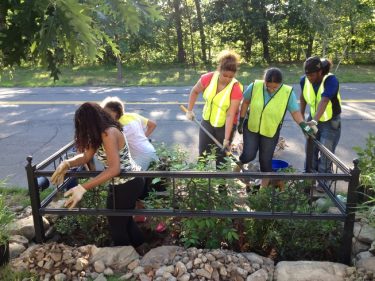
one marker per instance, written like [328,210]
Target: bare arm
[297,116]
[234,105]
[198,88]
[151,125]
[321,108]
[302,102]
[244,107]
[113,141]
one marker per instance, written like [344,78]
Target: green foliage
[6,217]
[7,273]
[366,164]
[94,228]
[291,239]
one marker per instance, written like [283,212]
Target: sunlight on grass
[162,75]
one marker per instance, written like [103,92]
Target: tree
[201,30]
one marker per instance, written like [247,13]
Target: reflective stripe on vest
[265,119]
[313,99]
[217,105]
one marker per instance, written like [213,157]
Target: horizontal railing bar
[54,156]
[199,174]
[183,213]
[332,157]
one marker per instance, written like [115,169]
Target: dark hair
[114,104]
[90,122]
[228,61]
[273,75]
[326,66]
[312,64]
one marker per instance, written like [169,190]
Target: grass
[160,75]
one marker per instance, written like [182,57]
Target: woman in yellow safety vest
[320,90]
[222,94]
[266,102]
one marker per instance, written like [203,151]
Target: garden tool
[228,153]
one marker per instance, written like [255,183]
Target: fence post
[309,155]
[35,201]
[351,202]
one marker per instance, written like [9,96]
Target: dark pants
[252,142]
[123,229]
[329,135]
[206,143]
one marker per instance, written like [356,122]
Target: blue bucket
[278,164]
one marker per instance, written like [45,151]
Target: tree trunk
[191,33]
[3,14]
[119,67]
[181,54]
[310,43]
[201,30]
[265,40]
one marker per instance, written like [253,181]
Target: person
[266,102]
[320,90]
[222,94]
[97,132]
[137,130]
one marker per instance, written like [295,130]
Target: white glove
[190,115]
[313,124]
[58,175]
[76,196]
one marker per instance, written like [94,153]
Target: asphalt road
[38,121]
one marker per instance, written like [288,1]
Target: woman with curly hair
[96,132]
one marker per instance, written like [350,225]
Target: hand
[225,146]
[58,175]
[307,130]
[190,115]
[314,125]
[240,126]
[76,196]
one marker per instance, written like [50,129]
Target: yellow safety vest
[265,119]
[313,99]
[217,104]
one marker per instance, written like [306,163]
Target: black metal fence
[346,210]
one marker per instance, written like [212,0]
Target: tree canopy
[55,32]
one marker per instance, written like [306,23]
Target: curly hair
[115,105]
[90,122]
[228,61]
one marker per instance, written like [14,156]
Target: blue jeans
[252,142]
[329,133]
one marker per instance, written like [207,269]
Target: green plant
[6,217]
[93,228]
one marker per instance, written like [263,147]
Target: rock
[144,277]
[127,276]
[138,270]
[155,257]
[60,277]
[15,250]
[184,277]
[81,264]
[19,239]
[100,277]
[116,257]
[25,227]
[367,264]
[180,269]
[372,248]
[133,264]
[364,233]
[204,273]
[253,258]
[99,266]
[259,275]
[363,255]
[309,271]
[108,271]
[358,246]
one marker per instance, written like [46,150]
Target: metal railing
[346,211]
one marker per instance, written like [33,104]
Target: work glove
[190,115]
[314,125]
[306,129]
[240,126]
[76,196]
[225,146]
[58,175]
